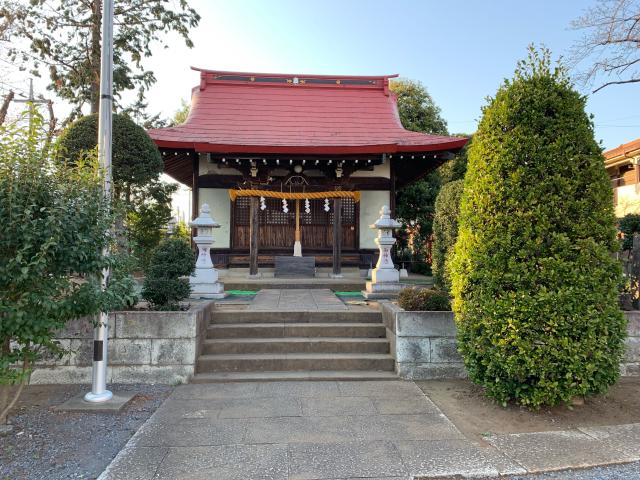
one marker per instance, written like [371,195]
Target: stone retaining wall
[144,347]
[424,344]
[630,366]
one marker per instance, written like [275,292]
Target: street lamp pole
[99,392]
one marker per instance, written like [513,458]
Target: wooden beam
[337,236]
[316,183]
[195,210]
[253,234]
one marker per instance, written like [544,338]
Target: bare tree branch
[620,82]
[609,51]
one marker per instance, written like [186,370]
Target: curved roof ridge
[287,75]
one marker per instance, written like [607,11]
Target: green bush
[182,231]
[55,223]
[628,225]
[445,231]
[164,283]
[424,299]
[142,200]
[136,159]
[147,217]
[534,281]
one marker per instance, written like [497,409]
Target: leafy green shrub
[142,200]
[182,231]
[628,225]
[136,159]
[445,231]
[424,299]
[164,284]
[55,222]
[147,217]
[534,281]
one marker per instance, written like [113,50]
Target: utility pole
[32,101]
[99,392]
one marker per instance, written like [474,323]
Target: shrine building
[296,164]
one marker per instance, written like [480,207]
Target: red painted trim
[325,150]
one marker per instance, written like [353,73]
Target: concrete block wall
[630,366]
[424,344]
[144,347]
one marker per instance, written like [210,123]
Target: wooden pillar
[337,236]
[253,234]
[195,209]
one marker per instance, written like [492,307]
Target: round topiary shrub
[424,299]
[534,282]
[136,159]
[165,283]
[445,231]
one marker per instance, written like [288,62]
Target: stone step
[278,330]
[302,375]
[245,316]
[295,361]
[295,345]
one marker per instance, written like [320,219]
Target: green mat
[348,294]
[241,292]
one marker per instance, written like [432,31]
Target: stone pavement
[296,300]
[339,430]
[301,430]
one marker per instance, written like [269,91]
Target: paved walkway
[301,430]
[296,300]
[341,430]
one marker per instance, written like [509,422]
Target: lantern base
[382,290]
[208,290]
[385,275]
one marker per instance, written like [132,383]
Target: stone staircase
[247,345]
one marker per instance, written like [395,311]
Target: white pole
[99,392]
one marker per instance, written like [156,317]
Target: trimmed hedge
[445,231]
[165,284]
[534,282]
[136,159]
[424,299]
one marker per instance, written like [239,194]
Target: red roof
[235,112]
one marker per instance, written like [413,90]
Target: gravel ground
[52,445]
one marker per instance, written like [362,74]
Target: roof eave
[201,147]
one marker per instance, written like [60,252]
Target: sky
[460,50]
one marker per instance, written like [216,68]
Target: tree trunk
[95,56]
[7,402]
[5,106]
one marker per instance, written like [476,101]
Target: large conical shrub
[534,282]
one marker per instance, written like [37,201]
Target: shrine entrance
[277,228]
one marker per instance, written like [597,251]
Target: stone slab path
[279,300]
[379,430]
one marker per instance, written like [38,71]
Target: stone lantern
[385,279]
[204,282]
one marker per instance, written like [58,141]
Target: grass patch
[242,292]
